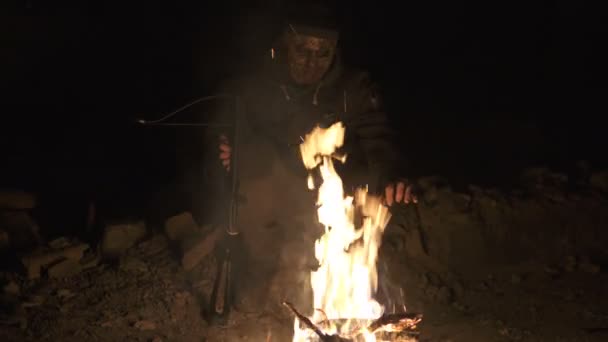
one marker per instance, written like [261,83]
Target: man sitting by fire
[305,84]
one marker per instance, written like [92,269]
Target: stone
[144,325]
[183,307]
[64,294]
[181,226]
[17,200]
[90,260]
[118,238]
[33,301]
[201,248]
[21,230]
[133,265]
[36,261]
[65,268]
[60,242]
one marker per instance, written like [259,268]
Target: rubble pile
[544,219]
[485,264]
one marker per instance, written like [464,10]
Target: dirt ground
[528,265]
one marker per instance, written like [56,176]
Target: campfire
[346,280]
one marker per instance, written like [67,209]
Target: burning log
[310,325]
[402,324]
[395,322]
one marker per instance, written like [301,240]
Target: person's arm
[376,137]
[217,148]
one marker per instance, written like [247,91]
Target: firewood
[402,321]
[324,337]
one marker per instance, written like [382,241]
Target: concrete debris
[144,325]
[184,305]
[148,296]
[17,200]
[21,230]
[90,259]
[33,301]
[181,226]
[200,248]
[42,259]
[65,294]
[60,242]
[133,265]
[118,238]
[64,268]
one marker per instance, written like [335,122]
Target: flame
[346,281]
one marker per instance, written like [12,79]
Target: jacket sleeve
[374,134]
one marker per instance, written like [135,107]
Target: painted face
[309,57]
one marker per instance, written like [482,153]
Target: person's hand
[225,152]
[400,192]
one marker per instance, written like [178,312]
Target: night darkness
[479,90]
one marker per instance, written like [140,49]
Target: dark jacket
[281,112]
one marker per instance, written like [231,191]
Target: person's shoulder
[363,87]
[358,78]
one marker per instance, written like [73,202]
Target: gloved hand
[400,192]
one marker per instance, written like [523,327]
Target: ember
[346,281]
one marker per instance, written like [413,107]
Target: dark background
[479,90]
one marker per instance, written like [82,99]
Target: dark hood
[277,73]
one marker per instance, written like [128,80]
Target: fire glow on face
[346,281]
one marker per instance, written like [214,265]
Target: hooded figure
[302,84]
